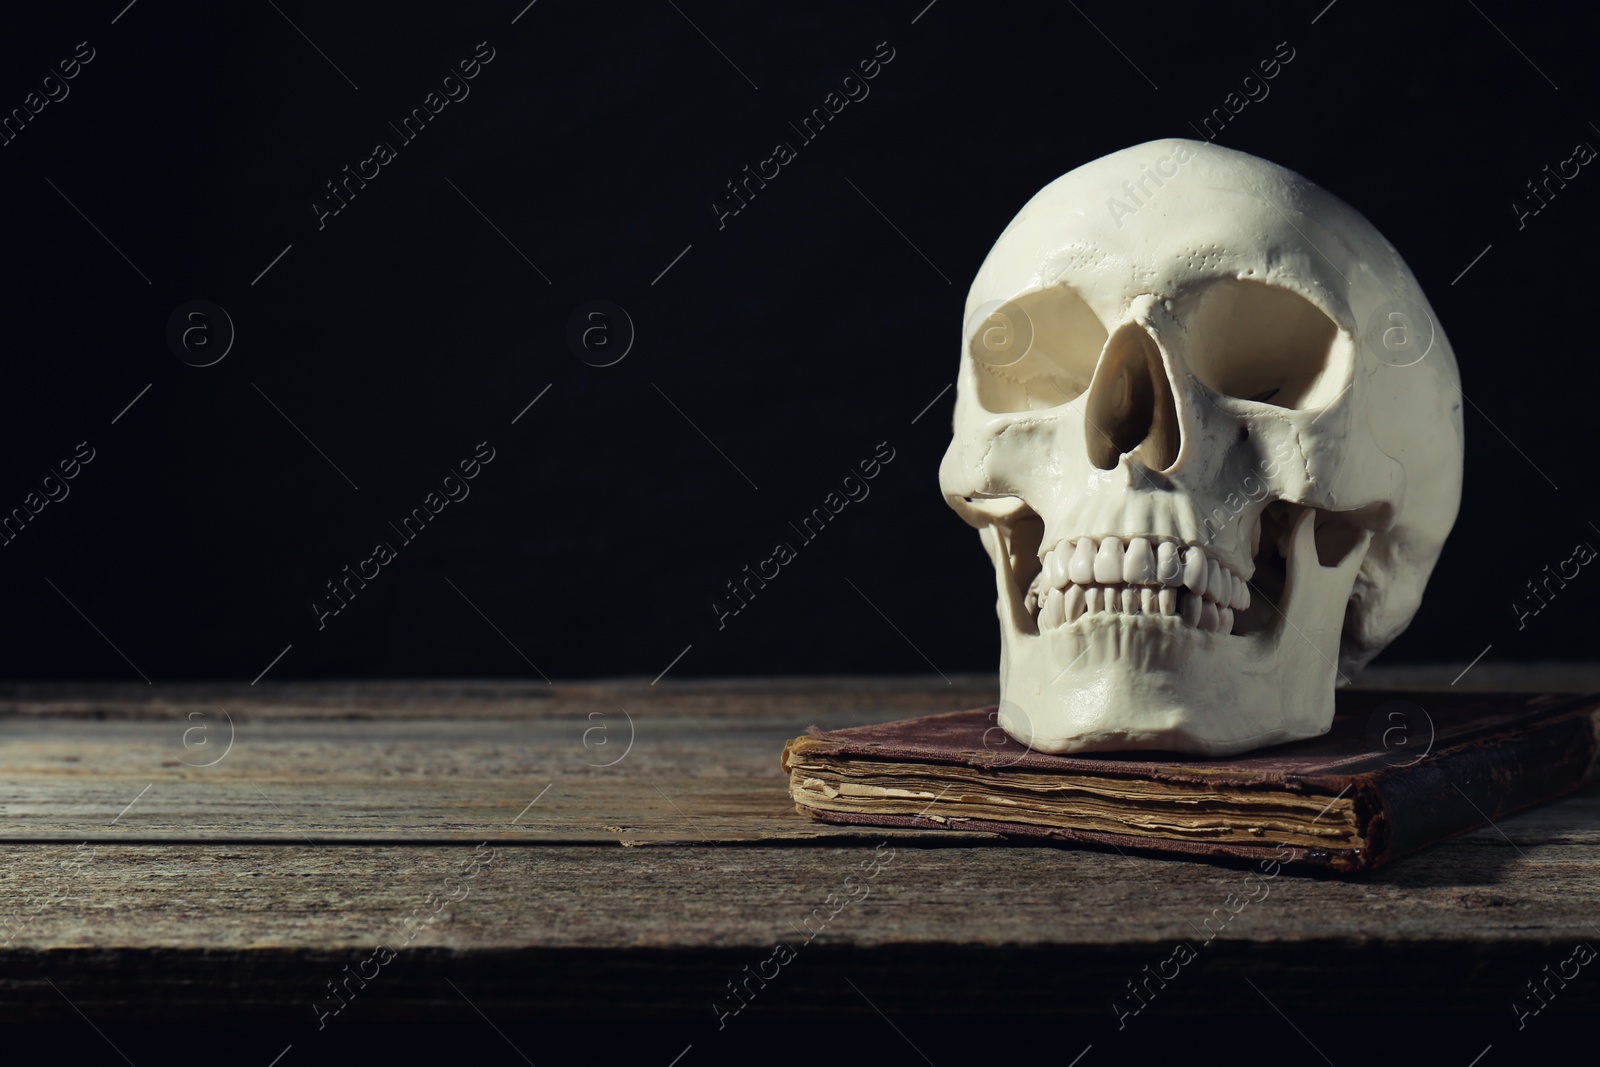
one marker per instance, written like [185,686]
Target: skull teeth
[1133,577]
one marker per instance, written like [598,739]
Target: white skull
[1210,433]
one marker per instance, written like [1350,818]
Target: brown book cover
[1397,772]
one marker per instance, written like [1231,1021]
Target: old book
[1397,772]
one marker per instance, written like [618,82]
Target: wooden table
[632,850]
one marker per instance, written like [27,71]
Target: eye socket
[1034,351]
[1261,343]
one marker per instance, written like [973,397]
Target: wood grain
[138,883]
[630,765]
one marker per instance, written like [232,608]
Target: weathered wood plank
[248,897]
[266,925]
[414,780]
[249,884]
[624,763]
[438,762]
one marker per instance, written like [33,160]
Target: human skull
[1210,433]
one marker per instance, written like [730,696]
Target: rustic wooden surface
[136,881]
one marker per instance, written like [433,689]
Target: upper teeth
[1086,577]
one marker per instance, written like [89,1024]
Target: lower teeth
[1061,607]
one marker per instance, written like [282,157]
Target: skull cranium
[1210,433]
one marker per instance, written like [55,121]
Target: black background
[797,337]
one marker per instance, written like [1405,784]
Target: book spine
[1476,783]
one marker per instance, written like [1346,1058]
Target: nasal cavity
[1129,407]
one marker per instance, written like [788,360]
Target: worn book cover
[1397,772]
